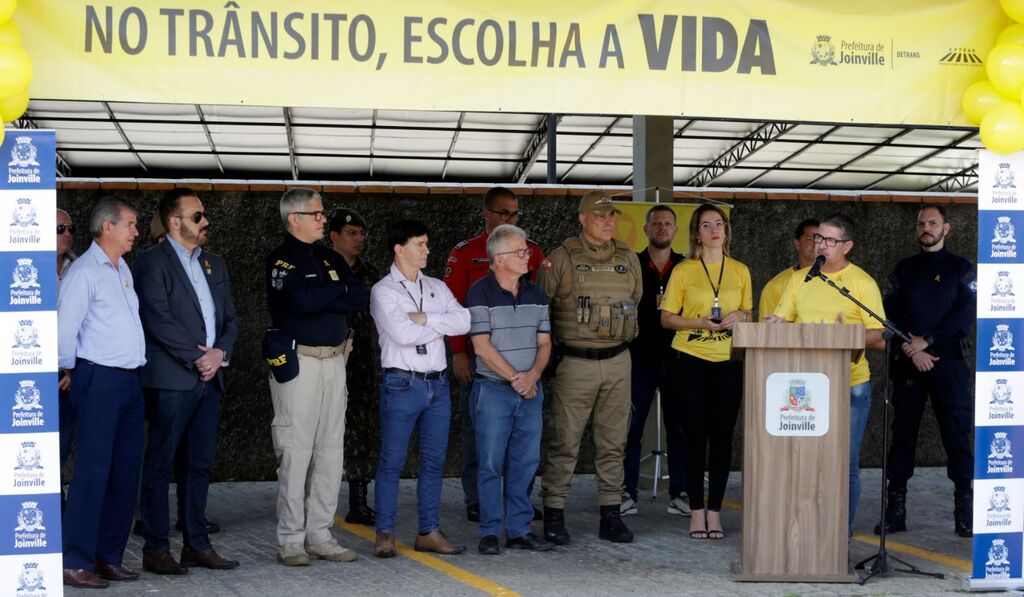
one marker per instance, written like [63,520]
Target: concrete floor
[662,561]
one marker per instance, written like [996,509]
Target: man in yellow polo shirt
[816,302]
[803,244]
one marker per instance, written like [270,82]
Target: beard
[661,244]
[934,240]
[193,236]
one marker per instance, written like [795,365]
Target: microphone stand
[881,562]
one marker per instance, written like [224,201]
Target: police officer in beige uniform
[595,284]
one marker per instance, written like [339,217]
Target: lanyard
[708,274]
[420,307]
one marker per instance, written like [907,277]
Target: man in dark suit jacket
[191,326]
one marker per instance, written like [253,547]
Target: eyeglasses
[520,253]
[317,215]
[506,215]
[828,240]
[62,228]
[196,217]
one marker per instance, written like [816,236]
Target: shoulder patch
[546,264]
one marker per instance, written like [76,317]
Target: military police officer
[931,296]
[310,290]
[595,284]
[362,425]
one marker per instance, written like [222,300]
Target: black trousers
[649,375]
[710,394]
[948,386]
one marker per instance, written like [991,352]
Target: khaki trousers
[308,432]
[583,387]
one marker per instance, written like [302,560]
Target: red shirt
[467,263]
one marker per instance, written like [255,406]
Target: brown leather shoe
[161,562]
[384,546]
[118,573]
[205,558]
[436,542]
[84,579]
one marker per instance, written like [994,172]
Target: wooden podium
[795,487]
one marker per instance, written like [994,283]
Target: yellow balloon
[977,100]
[12,107]
[1014,34]
[17,69]
[1014,8]
[1005,67]
[10,34]
[1002,129]
[2,131]
[7,9]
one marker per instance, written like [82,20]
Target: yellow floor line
[895,547]
[463,576]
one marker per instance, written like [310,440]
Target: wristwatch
[226,360]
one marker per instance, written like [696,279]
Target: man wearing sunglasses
[467,263]
[814,301]
[191,326]
[310,290]
[65,257]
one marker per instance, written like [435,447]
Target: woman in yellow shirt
[707,294]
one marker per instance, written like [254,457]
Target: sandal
[714,534]
[699,533]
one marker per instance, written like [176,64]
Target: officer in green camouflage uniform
[594,282]
[362,427]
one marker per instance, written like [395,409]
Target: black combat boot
[554,526]
[963,513]
[895,512]
[612,528]
[359,511]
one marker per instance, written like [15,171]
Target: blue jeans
[188,416]
[408,403]
[860,407]
[508,429]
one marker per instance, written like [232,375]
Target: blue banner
[30,513]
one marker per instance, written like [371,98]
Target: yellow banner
[872,61]
[629,227]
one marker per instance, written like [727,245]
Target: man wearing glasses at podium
[814,302]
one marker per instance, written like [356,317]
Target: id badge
[716,314]
[657,300]
[421,349]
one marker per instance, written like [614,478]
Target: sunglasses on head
[69,228]
[196,217]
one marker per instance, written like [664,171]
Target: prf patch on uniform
[334,275]
[284,264]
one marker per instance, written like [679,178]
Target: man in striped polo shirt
[511,338]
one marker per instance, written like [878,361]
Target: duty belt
[321,352]
[593,354]
[427,376]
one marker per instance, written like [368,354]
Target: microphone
[815,269]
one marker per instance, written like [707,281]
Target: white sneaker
[628,507]
[330,550]
[679,505]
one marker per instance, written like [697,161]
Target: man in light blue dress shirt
[101,342]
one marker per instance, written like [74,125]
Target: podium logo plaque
[796,404]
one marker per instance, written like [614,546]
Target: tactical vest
[599,309]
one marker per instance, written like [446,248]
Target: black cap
[279,351]
[345,216]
